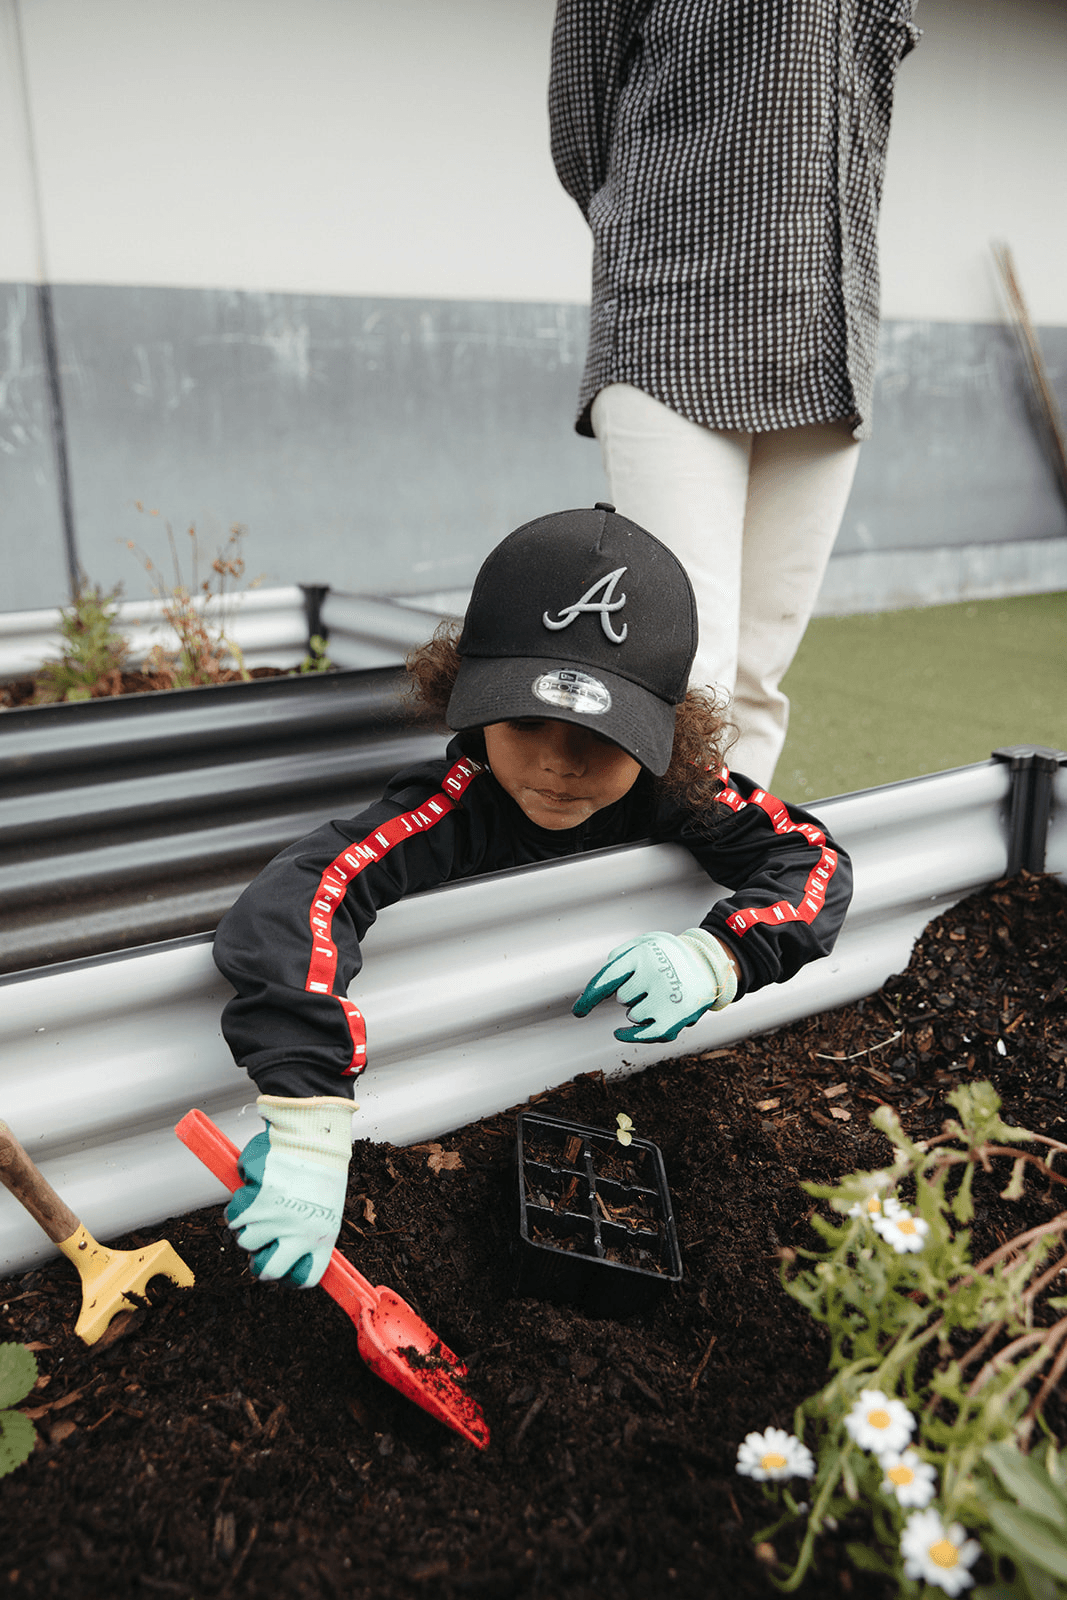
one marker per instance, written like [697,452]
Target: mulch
[229,1441]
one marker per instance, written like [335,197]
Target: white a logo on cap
[605,587]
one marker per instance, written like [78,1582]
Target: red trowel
[393,1341]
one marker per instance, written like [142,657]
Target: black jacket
[291,944]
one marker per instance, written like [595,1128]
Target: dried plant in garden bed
[229,1441]
[94,663]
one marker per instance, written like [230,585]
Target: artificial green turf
[880,697]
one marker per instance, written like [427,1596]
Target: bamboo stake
[1035,364]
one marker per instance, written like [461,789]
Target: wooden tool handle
[28,1184]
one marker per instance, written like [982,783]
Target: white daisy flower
[900,1229]
[878,1423]
[870,1202]
[910,1479]
[871,1207]
[774,1454]
[937,1554]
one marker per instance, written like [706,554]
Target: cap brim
[502,689]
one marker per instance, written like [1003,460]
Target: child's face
[557,772]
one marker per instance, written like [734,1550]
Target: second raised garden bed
[138,818]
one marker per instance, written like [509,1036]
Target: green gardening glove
[287,1214]
[666,981]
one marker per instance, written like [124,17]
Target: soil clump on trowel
[228,1440]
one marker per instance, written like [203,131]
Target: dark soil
[20,692]
[229,1440]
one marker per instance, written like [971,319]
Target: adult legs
[689,487]
[798,487]
[753,519]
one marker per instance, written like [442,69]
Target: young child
[567,688]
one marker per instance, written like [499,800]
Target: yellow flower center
[900,1476]
[878,1419]
[906,1225]
[874,1205]
[944,1553]
[772,1461]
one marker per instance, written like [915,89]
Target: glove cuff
[317,1129]
[715,954]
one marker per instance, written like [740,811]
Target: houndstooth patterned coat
[728,156]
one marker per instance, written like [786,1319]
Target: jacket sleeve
[290,946]
[592,46]
[792,883]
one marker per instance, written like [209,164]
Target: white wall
[400,147]
[20,260]
[360,147]
[977,153]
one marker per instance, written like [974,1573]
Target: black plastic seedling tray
[596,1228]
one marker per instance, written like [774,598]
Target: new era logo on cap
[584,598]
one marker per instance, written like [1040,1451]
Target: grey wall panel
[374,445]
[893,580]
[33,562]
[384,445]
[956,457]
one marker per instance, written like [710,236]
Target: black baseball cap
[584,617]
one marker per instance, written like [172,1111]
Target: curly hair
[702,731]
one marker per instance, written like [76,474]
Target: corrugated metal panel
[1056,842]
[142,818]
[364,630]
[137,819]
[467,994]
[269,626]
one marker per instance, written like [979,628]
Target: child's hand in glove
[666,981]
[288,1213]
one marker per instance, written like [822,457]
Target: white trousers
[752,517]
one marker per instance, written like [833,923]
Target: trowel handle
[219,1154]
[28,1184]
[207,1142]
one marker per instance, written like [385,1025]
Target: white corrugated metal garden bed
[467,994]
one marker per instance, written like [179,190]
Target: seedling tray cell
[596,1225]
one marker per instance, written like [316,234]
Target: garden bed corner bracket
[1033,768]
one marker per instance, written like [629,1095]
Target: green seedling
[316,659]
[18,1374]
[939,1366]
[624,1131]
[94,652]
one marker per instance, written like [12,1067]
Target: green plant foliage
[1025,1500]
[316,659]
[94,652]
[18,1374]
[938,1368]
